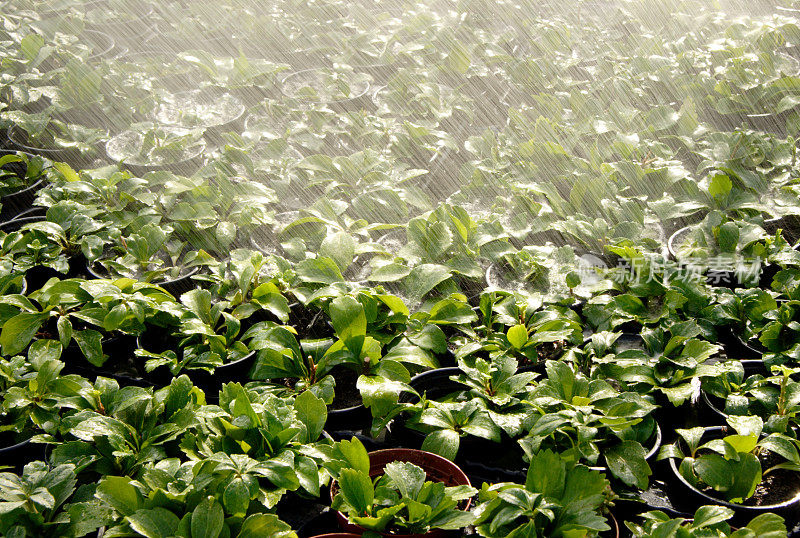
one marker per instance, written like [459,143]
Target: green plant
[400,500]
[150,145]
[732,466]
[670,360]
[129,426]
[175,498]
[775,398]
[558,499]
[11,180]
[586,420]
[264,436]
[36,392]
[708,519]
[33,503]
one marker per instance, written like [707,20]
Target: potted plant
[40,134]
[147,255]
[211,110]
[743,469]
[148,147]
[341,90]
[621,424]
[707,519]
[21,175]
[398,492]
[557,497]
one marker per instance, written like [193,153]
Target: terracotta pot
[437,469]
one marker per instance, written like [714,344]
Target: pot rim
[325,102]
[736,507]
[405,455]
[90,269]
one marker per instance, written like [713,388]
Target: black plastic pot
[191,77]
[37,276]
[158,340]
[176,286]
[132,32]
[185,167]
[213,132]
[789,224]
[694,498]
[355,418]
[13,204]
[506,464]
[355,103]
[16,454]
[720,278]
[101,42]
[119,366]
[71,156]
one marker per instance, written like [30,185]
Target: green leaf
[720,185]
[356,488]
[406,477]
[349,322]
[66,171]
[546,474]
[627,462]
[19,331]
[423,278]
[208,519]
[727,237]
[711,515]
[30,45]
[444,442]
[313,413]
[322,270]
[118,493]
[518,336]
[236,497]
[768,526]
[154,523]
[90,343]
[340,247]
[261,525]
[715,471]
[354,454]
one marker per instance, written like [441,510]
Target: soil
[346,394]
[549,351]
[776,487]
[309,322]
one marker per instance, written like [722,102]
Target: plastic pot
[360,101]
[437,469]
[71,156]
[168,77]
[186,167]
[720,278]
[131,32]
[237,371]
[789,224]
[507,463]
[789,509]
[175,286]
[15,203]
[354,418]
[158,340]
[102,44]
[37,276]
[170,113]
[16,453]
